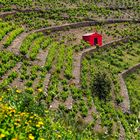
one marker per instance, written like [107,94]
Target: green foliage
[29,90]
[27,43]
[101,85]
[133,91]
[12,36]
[8,61]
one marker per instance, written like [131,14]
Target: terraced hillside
[54,85]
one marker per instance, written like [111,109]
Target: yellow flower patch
[39,124]
[2,135]
[18,91]
[31,137]
[0,99]
[14,139]
[40,90]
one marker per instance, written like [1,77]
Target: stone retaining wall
[4,14]
[125,105]
[130,70]
[119,8]
[84,24]
[15,11]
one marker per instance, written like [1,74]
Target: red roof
[91,34]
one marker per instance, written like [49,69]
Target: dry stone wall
[125,105]
[4,14]
[84,24]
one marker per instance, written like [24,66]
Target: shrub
[29,90]
[29,83]
[101,85]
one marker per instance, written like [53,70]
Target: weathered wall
[130,70]
[84,24]
[4,14]
[125,105]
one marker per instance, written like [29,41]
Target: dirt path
[15,46]
[55,104]
[122,132]
[125,105]
[77,65]
[69,102]
[89,117]
[46,82]
[18,83]
[76,69]
[41,58]
[125,13]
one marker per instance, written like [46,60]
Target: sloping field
[54,85]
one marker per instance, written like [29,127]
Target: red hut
[93,38]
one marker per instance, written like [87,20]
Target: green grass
[133,82]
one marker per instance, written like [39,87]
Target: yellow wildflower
[17,120]
[59,136]
[14,139]
[18,91]
[35,115]
[2,135]
[16,124]
[13,111]
[31,137]
[40,90]
[0,99]
[10,108]
[37,125]
[31,117]
[22,114]
[40,123]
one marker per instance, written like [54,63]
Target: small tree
[102,85]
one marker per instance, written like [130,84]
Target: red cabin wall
[100,41]
[90,39]
[99,38]
[87,39]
